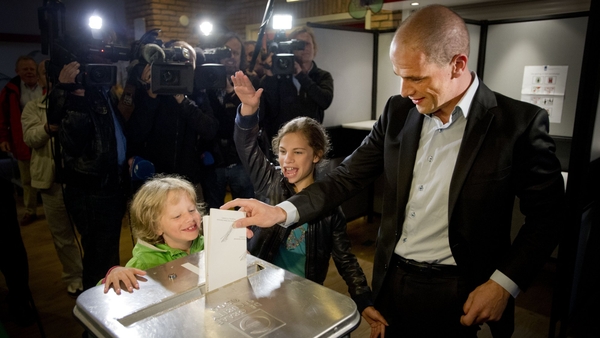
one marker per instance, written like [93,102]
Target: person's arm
[321,90]
[262,172]
[348,267]
[77,129]
[347,264]
[35,134]
[200,119]
[540,188]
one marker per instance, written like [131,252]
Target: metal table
[270,302]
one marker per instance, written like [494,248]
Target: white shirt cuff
[506,283]
[292,213]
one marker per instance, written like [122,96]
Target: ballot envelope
[173,302]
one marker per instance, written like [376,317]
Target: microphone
[152,52]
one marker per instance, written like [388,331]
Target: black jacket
[87,136]
[326,235]
[283,102]
[169,134]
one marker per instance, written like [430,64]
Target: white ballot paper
[224,248]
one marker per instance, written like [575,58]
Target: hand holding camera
[68,74]
[147,80]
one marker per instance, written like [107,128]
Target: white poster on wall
[545,86]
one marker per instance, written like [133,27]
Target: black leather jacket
[325,237]
[87,136]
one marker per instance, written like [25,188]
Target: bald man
[454,155]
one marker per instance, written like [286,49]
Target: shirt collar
[24,86]
[465,102]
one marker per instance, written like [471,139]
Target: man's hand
[68,74]
[123,274]
[376,320]
[179,98]
[257,213]
[147,79]
[5,146]
[51,129]
[245,91]
[486,303]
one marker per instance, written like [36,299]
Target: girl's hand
[246,93]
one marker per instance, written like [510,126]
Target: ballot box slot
[255,268]
[164,306]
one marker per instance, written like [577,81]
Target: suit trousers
[63,233]
[417,304]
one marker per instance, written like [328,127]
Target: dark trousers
[428,304]
[97,216]
[14,264]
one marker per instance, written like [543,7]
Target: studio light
[206,28]
[95,22]
[282,21]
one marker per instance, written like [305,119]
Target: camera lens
[283,63]
[169,78]
[99,74]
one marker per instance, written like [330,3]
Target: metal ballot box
[270,302]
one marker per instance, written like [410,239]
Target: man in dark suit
[454,155]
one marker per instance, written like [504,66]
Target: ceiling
[497,9]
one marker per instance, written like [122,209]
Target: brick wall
[386,20]
[169,15]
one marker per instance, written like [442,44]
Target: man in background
[13,98]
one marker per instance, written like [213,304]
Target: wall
[352,71]
[512,46]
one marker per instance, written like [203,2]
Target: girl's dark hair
[313,131]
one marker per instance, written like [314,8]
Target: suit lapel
[478,122]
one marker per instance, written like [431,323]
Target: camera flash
[282,21]
[95,22]
[206,28]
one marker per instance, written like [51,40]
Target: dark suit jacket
[506,152]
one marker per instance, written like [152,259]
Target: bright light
[282,21]
[414,4]
[95,22]
[206,28]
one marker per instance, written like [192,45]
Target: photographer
[94,158]
[307,93]
[227,169]
[166,129]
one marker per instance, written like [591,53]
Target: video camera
[94,58]
[172,70]
[211,74]
[283,58]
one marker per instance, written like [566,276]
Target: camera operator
[227,169]
[307,93]
[258,70]
[95,166]
[166,129]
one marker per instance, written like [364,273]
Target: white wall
[348,56]
[559,42]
